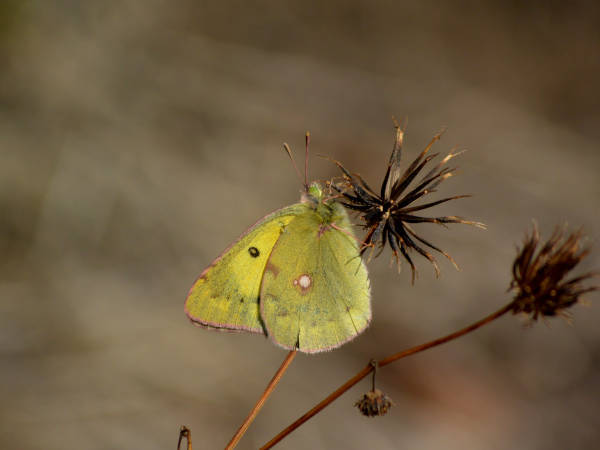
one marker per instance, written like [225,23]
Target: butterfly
[296,276]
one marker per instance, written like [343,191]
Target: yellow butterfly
[295,276]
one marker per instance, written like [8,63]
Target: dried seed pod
[539,273]
[374,403]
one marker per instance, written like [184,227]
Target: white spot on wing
[305,281]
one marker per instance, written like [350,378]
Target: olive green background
[139,138]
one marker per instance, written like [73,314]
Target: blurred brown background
[139,138]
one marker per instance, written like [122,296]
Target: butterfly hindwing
[315,293]
[226,295]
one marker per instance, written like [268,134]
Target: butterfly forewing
[226,295]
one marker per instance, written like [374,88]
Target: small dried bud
[538,274]
[374,403]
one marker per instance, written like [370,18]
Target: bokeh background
[139,138]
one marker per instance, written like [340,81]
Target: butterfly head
[323,204]
[315,192]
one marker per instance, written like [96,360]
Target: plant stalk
[261,401]
[384,362]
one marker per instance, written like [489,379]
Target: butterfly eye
[253,252]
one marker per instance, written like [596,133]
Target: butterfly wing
[315,293]
[226,294]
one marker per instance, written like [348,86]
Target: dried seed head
[539,272]
[374,403]
[390,213]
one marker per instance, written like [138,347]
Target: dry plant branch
[543,289]
[261,401]
[385,361]
[185,433]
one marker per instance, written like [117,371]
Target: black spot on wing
[253,252]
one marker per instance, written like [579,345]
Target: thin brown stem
[384,362]
[261,401]
[419,348]
[185,433]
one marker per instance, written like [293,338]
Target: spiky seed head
[540,274]
[390,213]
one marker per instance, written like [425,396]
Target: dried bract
[374,403]
[539,273]
[389,214]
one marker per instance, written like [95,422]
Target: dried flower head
[374,403]
[539,272]
[389,215]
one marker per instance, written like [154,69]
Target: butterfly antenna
[307,140]
[289,152]
[402,124]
